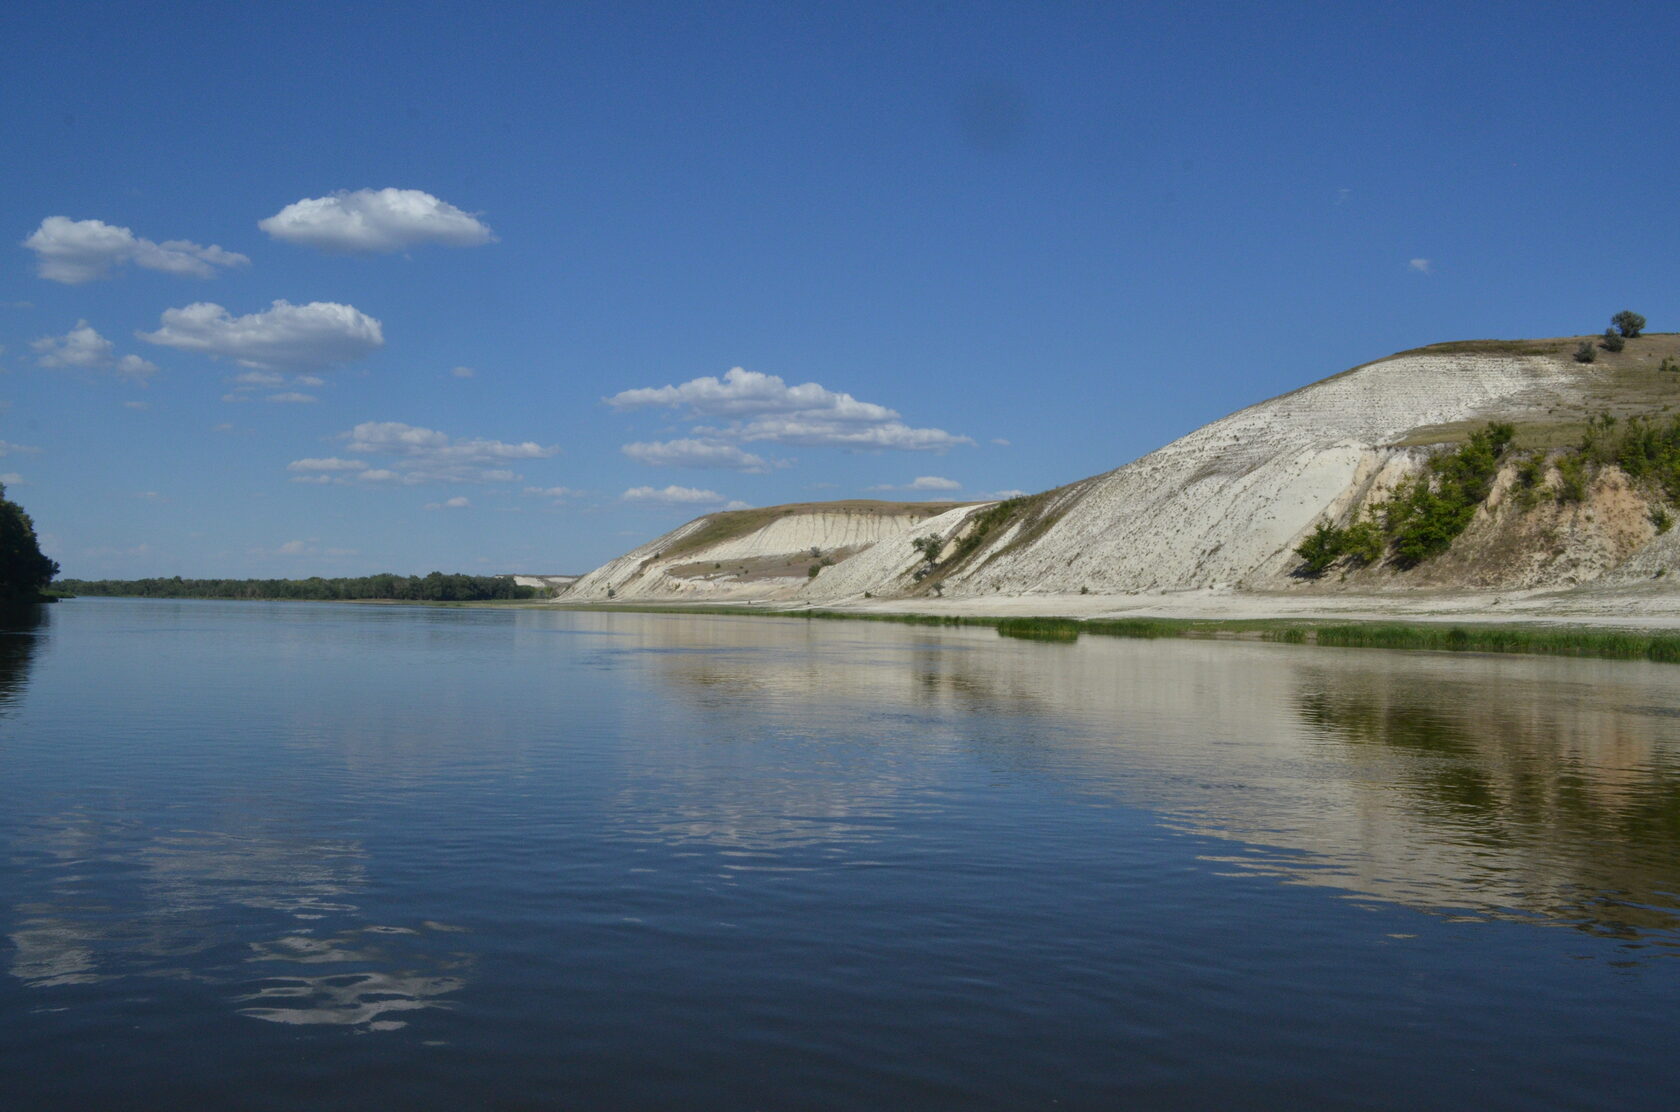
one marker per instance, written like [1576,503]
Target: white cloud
[923,482]
[1000,442]
[418,455]
[741,392]
[330,463]
[1422,266]
[412,440]
[285,335]
[553,492]
[136,405]
[247,385]
[150,496]
[459,502]
[12,479]
[375,221]
[763,407]
[894,435]
[7,448]
[463,372]
[294,548]
[695,453]
[679,496]
[75,251]
[1000,495]
[83,348]
[132,366]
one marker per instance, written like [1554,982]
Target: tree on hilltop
[1628,323]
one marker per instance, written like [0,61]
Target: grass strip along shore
[1611,644]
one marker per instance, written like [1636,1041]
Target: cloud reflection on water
[126,903]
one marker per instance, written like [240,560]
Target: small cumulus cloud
[697,454]
[12,479]
[83,348]
[678,496]
[556,492]
[283,336]
[414,455]
[1422,266]
[1001,495]
[462,372]
[1000,442]
[375,221]
[247,385]
[923,482]
[8,448]
[76,251]
[150,496]
[327,464]
[459,502]
[137,405]
[764,408]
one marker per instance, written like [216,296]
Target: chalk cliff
[1226,505]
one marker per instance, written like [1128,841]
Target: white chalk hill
[1223,507]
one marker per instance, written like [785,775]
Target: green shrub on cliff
[1423,516]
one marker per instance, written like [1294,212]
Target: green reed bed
[1040,629]
[1608,643]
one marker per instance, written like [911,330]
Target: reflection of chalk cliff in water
[1577,803]
[19,627]
[1495,786]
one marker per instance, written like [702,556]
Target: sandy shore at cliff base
[1646,606]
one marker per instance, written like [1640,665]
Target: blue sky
[333,289]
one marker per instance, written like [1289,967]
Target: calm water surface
[288,856]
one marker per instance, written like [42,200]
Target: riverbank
[1639,621]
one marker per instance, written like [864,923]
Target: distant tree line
[435,587]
